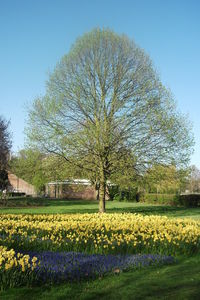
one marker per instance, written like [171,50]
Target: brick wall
[73,191]
[19,185]
[70,191]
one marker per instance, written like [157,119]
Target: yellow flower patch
[101,233]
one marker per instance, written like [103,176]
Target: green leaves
[104,105]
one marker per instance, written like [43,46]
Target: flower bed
[56,248]
[57,267]
[100,234]
[39,267]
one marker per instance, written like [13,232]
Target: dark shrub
[118,194]
[190,200]
[16,194]
[140,196]
[3,179]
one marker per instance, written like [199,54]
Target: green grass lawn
[178,281]
[52,206]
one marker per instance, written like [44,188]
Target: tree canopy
[28,166]
[165,179]
[106,111]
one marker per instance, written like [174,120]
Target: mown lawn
[55,206]
[178,281]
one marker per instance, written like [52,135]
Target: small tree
[28,166]
[105,104]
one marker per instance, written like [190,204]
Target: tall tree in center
[105,111]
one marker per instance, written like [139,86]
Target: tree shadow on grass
[158,210]
[47,205]
[33,202]
[70,202]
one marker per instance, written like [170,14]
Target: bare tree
[194,180]
[106,111]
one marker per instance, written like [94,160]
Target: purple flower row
[62,266]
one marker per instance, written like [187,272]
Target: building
[19,185]
[72,189]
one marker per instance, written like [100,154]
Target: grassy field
[61,206]
[178,281]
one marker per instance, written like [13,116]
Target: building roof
[72,181]
[75,181]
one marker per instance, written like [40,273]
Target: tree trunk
[102,192]
[102,198]
[97,185]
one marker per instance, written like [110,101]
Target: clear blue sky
[35,34]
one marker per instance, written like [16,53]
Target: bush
[140,196]
[125,195]
[167,199]
[190,200]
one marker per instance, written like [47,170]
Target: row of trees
[39,169]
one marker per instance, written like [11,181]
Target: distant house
[72,189]
[19,185]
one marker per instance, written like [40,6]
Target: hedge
[190,200]
[187,200]
[169,199]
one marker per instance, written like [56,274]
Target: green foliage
[28,166]
[106,112]
[189,200]
[38,169]
[165,179]
[15,277]
[117,193]
[166,199]
[19,200]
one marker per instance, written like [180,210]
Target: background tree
[5,143]
[104,103]
[27,164]
[5,146]
[4,182]
[194,180]
[165,179]
[38,168]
